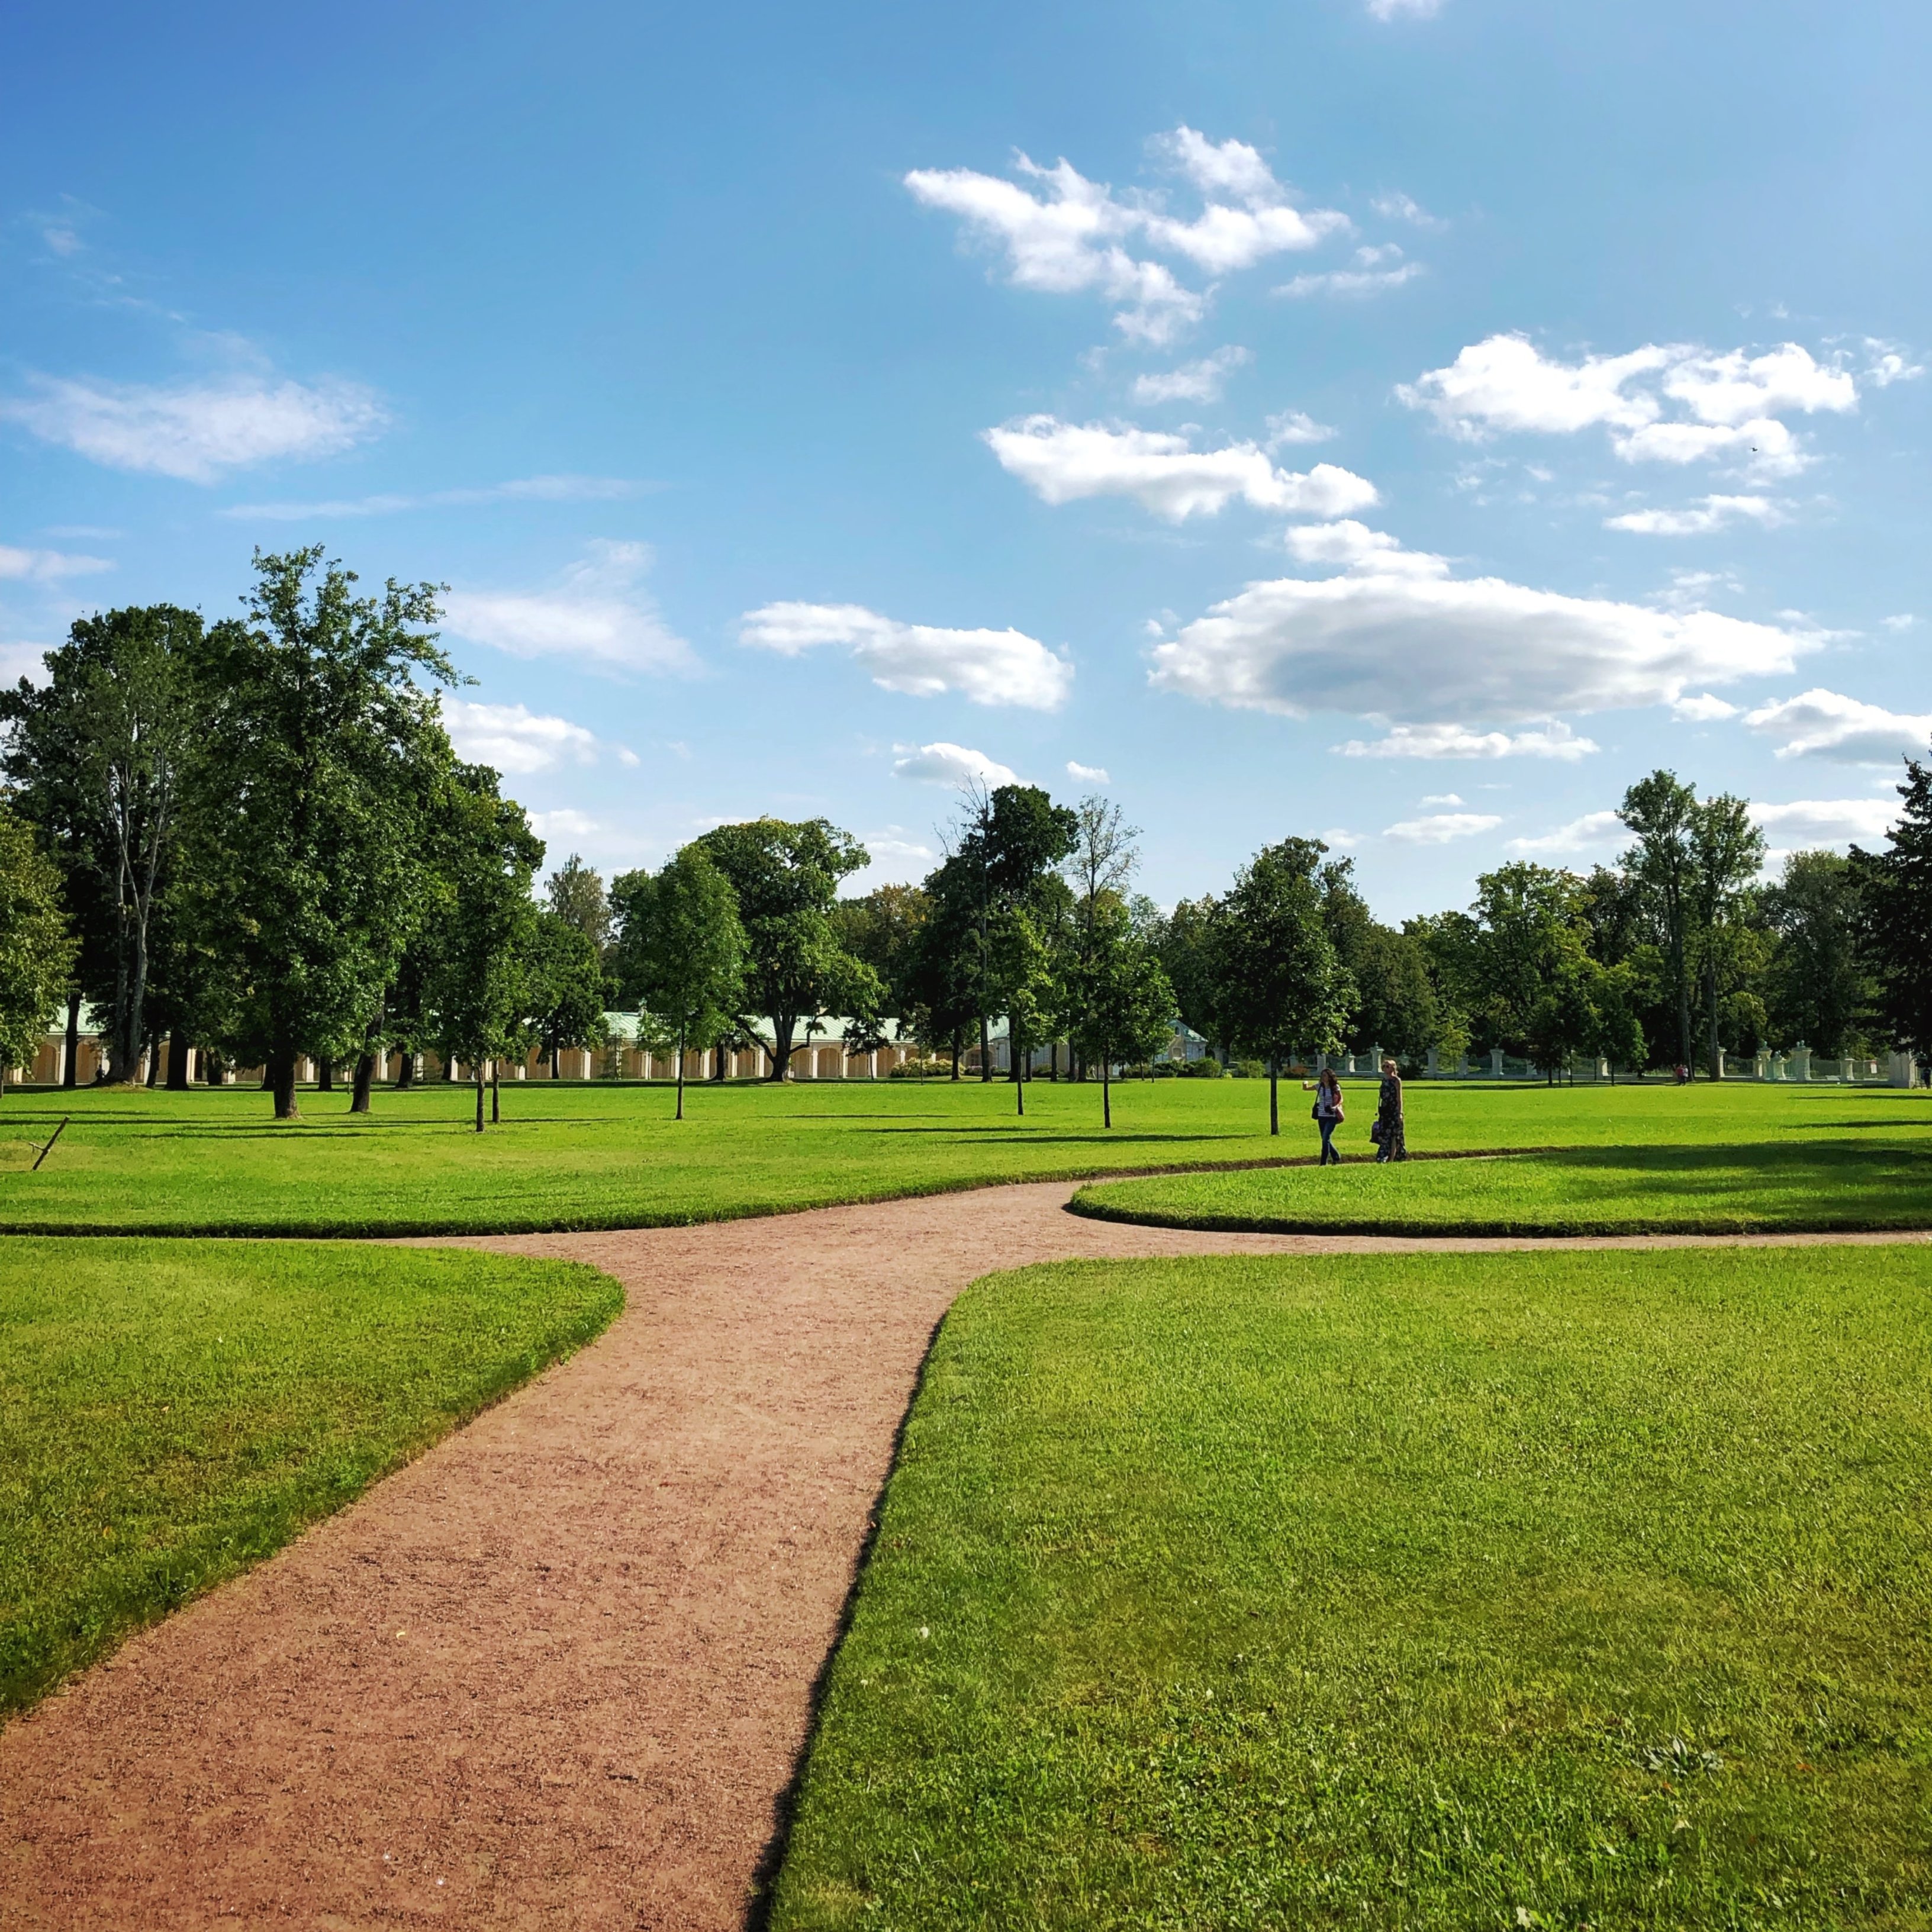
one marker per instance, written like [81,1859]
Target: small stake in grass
[42,1152]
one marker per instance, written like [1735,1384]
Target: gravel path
[557,1673]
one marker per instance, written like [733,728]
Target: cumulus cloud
[1553,740]
[1088,774]
[948,764]
[195,431]
[1348,544]
[564,823]
[1193,381]
[46,566]
[1404,10]
[599,614]
[1902,620]
[921,660]
[1713,513]
[1064,234]
[1824,821]
[1728,405]
[1820,724]
[1294,426]
[518,490]
[514,739]
[1399,207]
[1061,462]
[1439,827]
[1702,708]
[1594,828]
[1415,649]
[896,858]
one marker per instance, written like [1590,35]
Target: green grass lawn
[1534,1590]
[173,1412]
[593,1156]
[1870,1179]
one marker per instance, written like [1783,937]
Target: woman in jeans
[1387,1135]
[1328,1114]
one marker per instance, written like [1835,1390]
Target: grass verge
[171,1412]
[1575,1590]
[1811,1186]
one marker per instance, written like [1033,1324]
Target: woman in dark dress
[1390,1144]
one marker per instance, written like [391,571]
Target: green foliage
[786,878]
[690,950]
[320,759]
[1820,991]
[37,951]
[1123,1008]
[1442,1592]
[566,984]
[574,892]
[171,1412]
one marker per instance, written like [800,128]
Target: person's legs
[1328,1153]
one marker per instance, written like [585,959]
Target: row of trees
[254,837]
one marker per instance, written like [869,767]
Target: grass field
[171,1412]
[570,1155]
[1868,1179]
[1583,1590]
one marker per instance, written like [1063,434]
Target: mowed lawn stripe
[171,1412]
[1591,1589]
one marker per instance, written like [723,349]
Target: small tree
[37,952]
[1020,979]
[1895,908]
[1122,1006]
[691,950]
[1282,990]
[566,986]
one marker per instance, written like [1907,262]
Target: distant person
[1329,1114]
[1387,1133]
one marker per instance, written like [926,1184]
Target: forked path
[556,1672]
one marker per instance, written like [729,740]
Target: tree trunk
[1710,988]
[324,1073]
[179,1050]
[679,1115]
[365,1078]
[154,1062]
[1684,1010]
[279,1076]
[405,1076]
[556,1060]
[956,1056]
[985,1050]
[783,1025]
[68,1075]
[479,1096]
[495,1108]
[1019,1082]
[1274,1096]
[1106,1095]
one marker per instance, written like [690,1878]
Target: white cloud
[195,431]
[518,490]
[46,566]
[1729,403]
[1399,207]
[1088,774]
[1294,426]
[1367,277]
[1193,381]
[1903,621]
[1442,798]
[948,764]
[1350,545]
[1692,590]
[1825,821]
[599,614]
[921,660]
[1713,513]
[1553,740]
[1404,10]
[1062,462]
[1702,709]
[552,826]
[1820,724]
[1889,365]
[514,739]
[1417,649]
[1594,828]
[1439,827]
[896,859]
[1068,234]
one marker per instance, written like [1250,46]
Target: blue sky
[1407,424]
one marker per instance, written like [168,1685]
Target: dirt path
[557,1673]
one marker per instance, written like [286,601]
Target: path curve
[556,1672]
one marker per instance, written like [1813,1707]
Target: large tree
[691,949]
[1821,991]
[1662,811]
[786,877]
[1895,888]
[304,837]
[99,753]
[37,952]
[1283,989]
[1726,853]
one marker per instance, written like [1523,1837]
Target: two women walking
[1387,1133]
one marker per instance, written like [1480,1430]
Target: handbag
[1376,1133]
